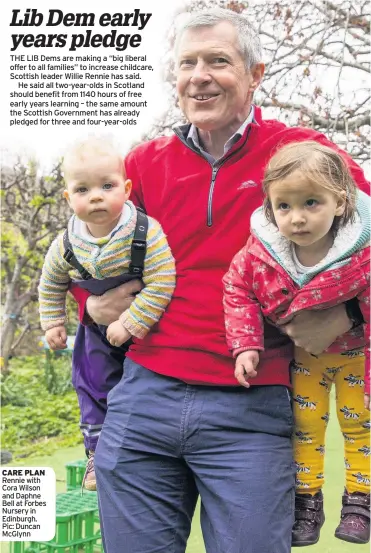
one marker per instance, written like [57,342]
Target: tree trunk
[7,338]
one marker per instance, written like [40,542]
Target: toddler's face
[304,211]
[97,191]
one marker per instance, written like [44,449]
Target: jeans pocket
[274,403]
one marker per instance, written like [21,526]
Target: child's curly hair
[322,166]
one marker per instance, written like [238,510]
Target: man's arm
[81,295]
[107,308]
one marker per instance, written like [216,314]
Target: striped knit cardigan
[110,258]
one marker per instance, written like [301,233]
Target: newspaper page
[75,72]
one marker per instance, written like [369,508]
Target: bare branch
[20,337]
[322,122]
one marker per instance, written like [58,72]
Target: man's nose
[200,73]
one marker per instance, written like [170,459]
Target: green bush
[40,410]
[57,372]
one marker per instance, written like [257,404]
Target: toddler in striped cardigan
[100,233]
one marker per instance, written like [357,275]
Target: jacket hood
[350,238]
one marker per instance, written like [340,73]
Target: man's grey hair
[248,38]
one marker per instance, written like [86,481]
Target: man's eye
[283,207]
[186,63]
[220,60]
[311,203]
[107,186]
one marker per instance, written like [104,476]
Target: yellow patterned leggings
[312,380]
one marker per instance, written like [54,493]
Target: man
[177,426]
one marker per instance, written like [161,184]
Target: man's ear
[340,204]
[66,196]
[257,72]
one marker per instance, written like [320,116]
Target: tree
[32,212]
[317,66]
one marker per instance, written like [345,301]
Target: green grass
[333,490]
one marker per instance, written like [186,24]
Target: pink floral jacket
[256,284]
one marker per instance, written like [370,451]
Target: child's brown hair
[322,166]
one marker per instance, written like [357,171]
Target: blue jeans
[165,442]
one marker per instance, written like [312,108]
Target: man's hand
[246,363]
[315,331]
[56,337]
[117,334]
[107,308]
[366,401]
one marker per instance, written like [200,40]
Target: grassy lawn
[332,491]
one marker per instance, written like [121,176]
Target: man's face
[214,87]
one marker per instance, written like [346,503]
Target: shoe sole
[304,543]
[350,539]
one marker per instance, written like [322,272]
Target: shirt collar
[194,141]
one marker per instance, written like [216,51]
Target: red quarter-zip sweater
[205,211]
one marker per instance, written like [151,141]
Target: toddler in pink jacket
[309,249]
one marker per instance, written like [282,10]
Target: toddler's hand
[246,363]
[366,401]
[56,337]
[117,334]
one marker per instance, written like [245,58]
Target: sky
[48,143]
